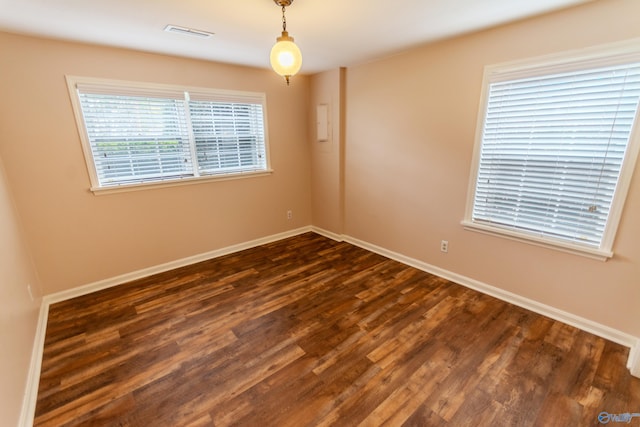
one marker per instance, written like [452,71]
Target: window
[555,151]
[136,134]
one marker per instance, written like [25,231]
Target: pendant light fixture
[286,58]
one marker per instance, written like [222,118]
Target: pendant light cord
[284,20]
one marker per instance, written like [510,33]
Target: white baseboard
[634,360]
[28,411]
[328,234]
[145,272]
[606,332]
[29,404]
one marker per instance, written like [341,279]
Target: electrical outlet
[289,214]
[444,246]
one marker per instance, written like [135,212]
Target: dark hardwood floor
[311,332]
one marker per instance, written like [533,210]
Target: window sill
[122,188]
[531,239]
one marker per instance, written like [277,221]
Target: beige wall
[77,237]
[18,313]
[397,178]
[409,138]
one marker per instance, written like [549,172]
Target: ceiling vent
[188,31]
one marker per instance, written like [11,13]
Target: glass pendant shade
[286,58]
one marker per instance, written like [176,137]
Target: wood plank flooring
[312,332]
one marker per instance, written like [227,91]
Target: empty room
[314,213]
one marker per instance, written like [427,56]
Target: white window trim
[115,85]
[609,54]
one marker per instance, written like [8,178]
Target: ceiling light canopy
[286,58]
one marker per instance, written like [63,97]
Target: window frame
[135,88]
[598,56]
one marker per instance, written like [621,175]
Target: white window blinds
[228,136]
[136,138]
[552,150]
[141,133]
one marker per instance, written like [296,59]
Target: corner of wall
[327,155]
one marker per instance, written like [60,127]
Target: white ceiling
[330,33]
